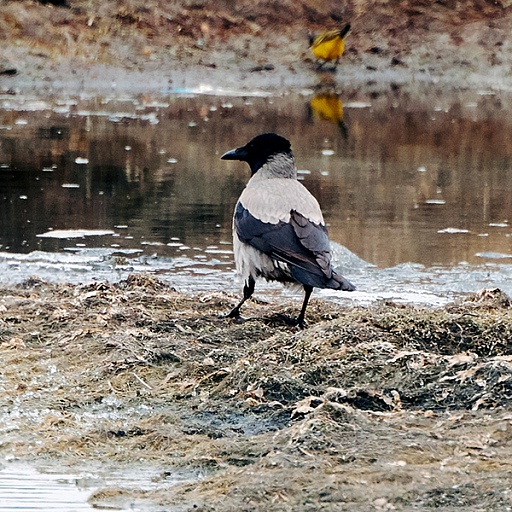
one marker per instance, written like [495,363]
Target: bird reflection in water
[326,105]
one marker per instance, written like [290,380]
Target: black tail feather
[345,30]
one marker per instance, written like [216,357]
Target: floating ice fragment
[70,185]
[81,161]
[61,110]
[172,160]
[218,251]
[435,201]
[75,233]
[303,171]
[422,169]
[21,121]
[499,224]
[151,117]
[23,197]
[493,255]
[327,152]
[127,148]
[357,104]
[453,230]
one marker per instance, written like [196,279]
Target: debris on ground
[383,407]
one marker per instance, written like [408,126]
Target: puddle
[23,488]
[418,189]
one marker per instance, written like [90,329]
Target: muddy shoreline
[160,49]
[383,407]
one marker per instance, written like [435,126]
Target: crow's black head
[258,150]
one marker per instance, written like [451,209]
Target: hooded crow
[278,228]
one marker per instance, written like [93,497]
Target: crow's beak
[235,154]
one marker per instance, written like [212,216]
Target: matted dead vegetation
[384,407]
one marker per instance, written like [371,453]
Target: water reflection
[326,104]
[328,107]
[398,181]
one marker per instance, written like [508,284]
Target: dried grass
[136,371]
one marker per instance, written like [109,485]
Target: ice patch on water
[214,271]
[357,104]
[453,230]
[75,233]
[212,90]
[493,255]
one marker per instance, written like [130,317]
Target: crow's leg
[248,291]
[300,319]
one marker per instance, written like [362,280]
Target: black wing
[300,243]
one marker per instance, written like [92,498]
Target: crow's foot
[234,314]
[300,322]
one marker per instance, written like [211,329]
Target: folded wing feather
[300,243]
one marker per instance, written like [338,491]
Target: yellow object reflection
[328,107]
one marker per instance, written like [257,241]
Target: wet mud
[385,407]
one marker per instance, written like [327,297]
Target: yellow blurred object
[329,45]
[328,107]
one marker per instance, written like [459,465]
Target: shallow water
[420,189]
[23,488]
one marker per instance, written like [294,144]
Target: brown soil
[155,46]
[379,408]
